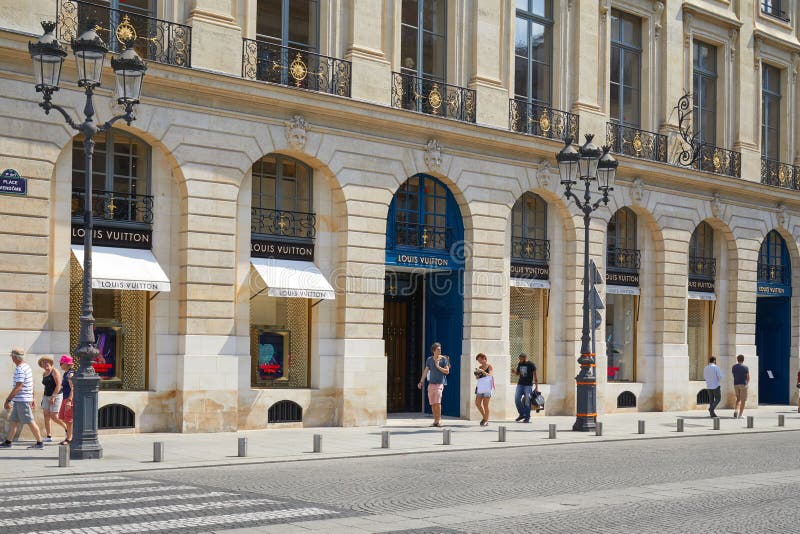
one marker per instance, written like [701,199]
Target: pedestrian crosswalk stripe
[141,489]
[152,510]
[21,490]
[199,521]
[63,505]
[59,480]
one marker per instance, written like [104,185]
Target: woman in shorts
[65,413]
[51,402]
[483,392]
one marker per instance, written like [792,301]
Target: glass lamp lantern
[90,54]
[129,70]
[606,170]
[567,160]
[48,57]
[589,156]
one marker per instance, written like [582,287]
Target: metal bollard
[749,421]
[598,429]
[446,436]
[552,434]
[641,426]
[158,451]
[242,447]
[716,423]
[63,456]
[317,442]
[385,439]
[781,420]
[680,424]
[501,434]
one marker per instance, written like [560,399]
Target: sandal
[66,442]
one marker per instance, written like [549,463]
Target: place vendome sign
[266,248]
[110,236]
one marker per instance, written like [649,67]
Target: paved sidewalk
[409,435]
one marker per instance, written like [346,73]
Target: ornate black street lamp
[589,164]
[90,52]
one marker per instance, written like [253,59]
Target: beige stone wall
[206,126]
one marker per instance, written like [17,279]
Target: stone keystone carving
[433,155]
[296,132]
[543,174]
[637,192]
[782,215]
[716,205]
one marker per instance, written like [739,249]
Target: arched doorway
[424,299]
[702,297]
[773,320]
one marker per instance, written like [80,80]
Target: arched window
[282,203]
[120,179]
[622,247]
[701,252]
[423,214]
[773,260]
[529,229]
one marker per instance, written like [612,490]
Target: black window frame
[103,140]
[419,67]
[530,17]
[770,150]
[621,230]
[280,160]
[774,8]
[626,49]
[285,28]
[702,73]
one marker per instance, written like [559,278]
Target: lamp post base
[586,382]
[85,443]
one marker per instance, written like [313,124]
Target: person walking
[20,401]
[798,389]
[65,413]
[437,367]
[51,401]
[713,376]
[483,391]
[741,379]
[526,371]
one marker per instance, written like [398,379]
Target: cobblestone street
[727,483]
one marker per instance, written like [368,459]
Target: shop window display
[279,342]
[621,316]
[526,328]
[698,337]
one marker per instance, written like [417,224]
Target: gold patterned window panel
[698,334]
[279,342]
[153,39]
[293,67]
[537,119]
[526,329]
[433,97]
[123,313]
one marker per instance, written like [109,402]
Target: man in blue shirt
[741,379]
[437,367]
[713,375]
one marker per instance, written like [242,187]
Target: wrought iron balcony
[111,206]
[779,174]
[293,67]
[773,9]
[296,224]
[774,274]
[532,250]
[153,39]
[718,160]
[703,267]
[636,143]
[433,97]
[423,236]
[537,119]
[622,259]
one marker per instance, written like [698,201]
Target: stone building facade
[313,191]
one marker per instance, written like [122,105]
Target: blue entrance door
[444,312]
[773,345]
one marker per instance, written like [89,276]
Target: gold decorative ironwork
[536,119]
[435,97]
[544,122]
[125,31]
[635,142]
[425,237]
[779,174]
[299,70]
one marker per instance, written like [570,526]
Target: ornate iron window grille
[295,224]
[537,119]
[432,97]
[623,259]
[779,174]
[531,250]
[773,9]
[636,143]
[293,67]
[626,399]
[111,206]
[699,155]
[423,236]
[773,274]
[153,39]
[703,267]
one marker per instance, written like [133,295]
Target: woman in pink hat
[65,413]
